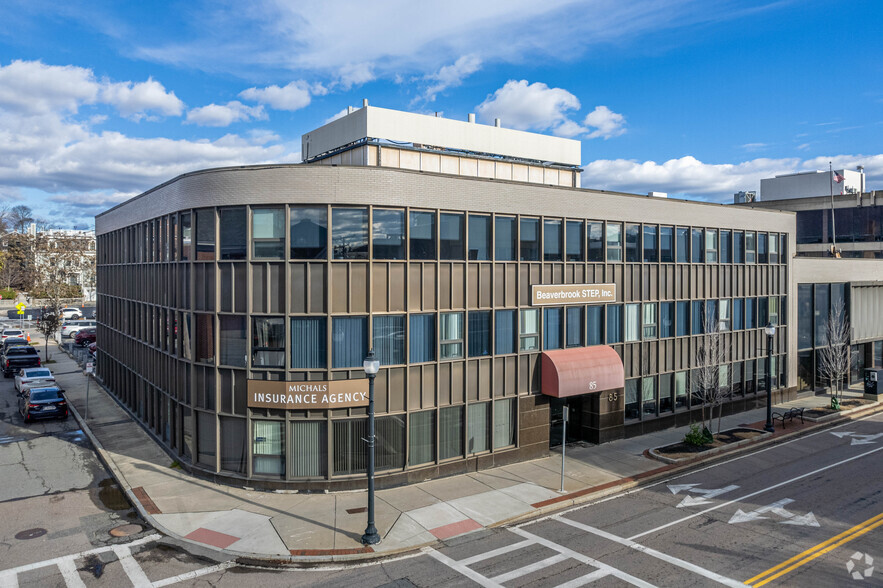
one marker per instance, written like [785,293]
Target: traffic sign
[90,367]
[21,306]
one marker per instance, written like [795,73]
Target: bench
[788,414]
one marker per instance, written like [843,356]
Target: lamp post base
[371,536]
[769,428]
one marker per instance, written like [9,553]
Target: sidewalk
[293,527]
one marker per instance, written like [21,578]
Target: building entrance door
[574,423]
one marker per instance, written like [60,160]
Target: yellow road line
[814,552]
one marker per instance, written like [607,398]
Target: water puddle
[111,496]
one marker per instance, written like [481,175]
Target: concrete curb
[710,452]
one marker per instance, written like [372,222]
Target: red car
[84,337]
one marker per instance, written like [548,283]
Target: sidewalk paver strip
[454,529]
[145,500]
[213,538]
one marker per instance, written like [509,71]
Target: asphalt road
[805,513]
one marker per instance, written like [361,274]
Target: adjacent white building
[813,183]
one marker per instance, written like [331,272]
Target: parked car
[7,333]
[18,357]
[71,313]
[85,336]
[28,377]
[12,341]
[70,328]
[93,350]
[41,403]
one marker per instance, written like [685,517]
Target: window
[479,237]
[349,233]
[649,320]
[267,342]
[666,402]
[205,234]
[552,328]
[504,332]
[738,247]
[614,323]
[632,322]
[738,305]
[574,327]
[632,412]
[234,444]
[594,325]
[451,236]
[422,338]
[451,335]
[422,241]
[349,449]
[774,248]
[233,340]
[632,243]
[666,319]
[551,240]
[614,242]
[710,320]
[698,248]
[349,341]
[698,316]
[308,342]
[710,246]
[388,228]
[648,396]
[529,330]
[650,254]
[749,313]
[450,432]
[762,254]
[389,338]
[575,237]
[683,245]
[268,449]
[478,427]
[309,449]
[421,440]
[750,255]
[595,232]
[680,390]
[504,238]
[724,318]
[666,244]
[308,232]
[186,237]
[805,314]
[773,310]
[479,333]
[530,239]
[205,338]
[504,423]
[726,247]
[233,233]
[268,233]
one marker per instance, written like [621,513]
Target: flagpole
[833,225]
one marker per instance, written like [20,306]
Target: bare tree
[712,370]
[17,262]
[20,217]
[834,356]
[50,321]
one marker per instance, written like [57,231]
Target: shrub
[7,294]
[698,438]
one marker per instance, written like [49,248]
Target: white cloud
[606,123]
[294,96]
[526,106]
[451,76]
[135,99]
[222,115]
[687,176]
[355,74]
[753,146]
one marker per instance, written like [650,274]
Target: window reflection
[422,227]
[349,233]
[389,234]
[309,232]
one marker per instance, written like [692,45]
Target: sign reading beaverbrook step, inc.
[573,294]
[307,395]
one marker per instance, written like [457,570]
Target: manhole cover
[30,533]
[125,530]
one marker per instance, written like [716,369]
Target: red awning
[581,370]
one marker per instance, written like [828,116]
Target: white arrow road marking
[808,520]
[707,495]
[859,439]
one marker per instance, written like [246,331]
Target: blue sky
[100,100]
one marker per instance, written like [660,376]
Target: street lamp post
[371,365]
[770,331]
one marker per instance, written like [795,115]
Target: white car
[71,313]
[70,328]
[27,377]
[7,333]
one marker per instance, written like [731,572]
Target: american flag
[837,177]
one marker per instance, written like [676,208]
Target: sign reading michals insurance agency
[573,294]
[307,395]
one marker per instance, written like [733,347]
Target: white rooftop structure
[812,183]
[380,124]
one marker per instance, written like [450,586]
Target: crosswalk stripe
[130,566]
[70,574]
